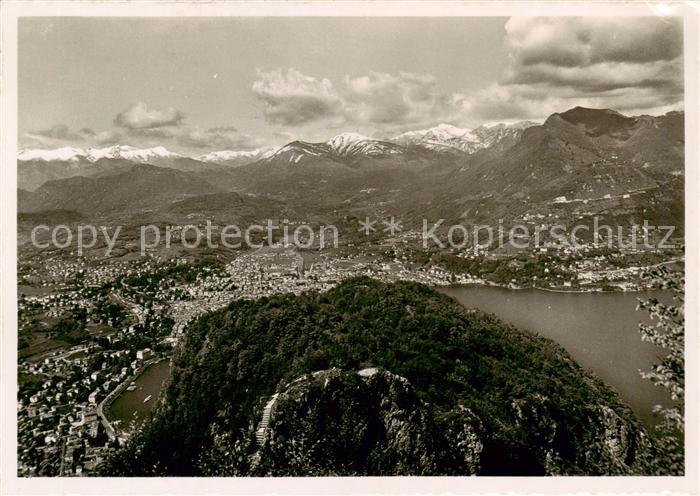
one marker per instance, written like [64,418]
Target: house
[89,416]
[144,354]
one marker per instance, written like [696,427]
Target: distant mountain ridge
[235,156]
[343,144]
[71,154]
[136,189]
[36,166]
[446,137]
[574,157]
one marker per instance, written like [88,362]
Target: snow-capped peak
[130,153]
[348,138]
[450,130]
[446,137]
[495,132]
[353,144]
[64,154]
[509,125]
[439,132]
[443,137]
[343,142]
[71,154]
[227,155]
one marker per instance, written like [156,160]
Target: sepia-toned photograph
[330,245]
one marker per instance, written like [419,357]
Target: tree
[667,332]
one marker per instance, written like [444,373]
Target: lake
[600,330]
[130,405]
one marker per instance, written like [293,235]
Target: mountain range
[344,144]
[70,154]
[446,137]
[579,162]
[37,166]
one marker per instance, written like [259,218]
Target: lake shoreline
[540,288]
[600,330]
[104,408]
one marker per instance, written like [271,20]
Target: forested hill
[450,391]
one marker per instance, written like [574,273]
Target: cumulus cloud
[394,99]
[293,98]
[139,116]
[376,100]
[631,64]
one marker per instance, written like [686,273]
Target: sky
[196,85]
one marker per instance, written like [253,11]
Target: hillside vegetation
[451,391]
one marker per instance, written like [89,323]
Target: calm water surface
[600,330]
[129,406]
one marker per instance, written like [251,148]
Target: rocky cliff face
[372,422]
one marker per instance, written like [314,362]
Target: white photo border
[11,10]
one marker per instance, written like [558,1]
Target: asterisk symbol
[392,225]
[367,226]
